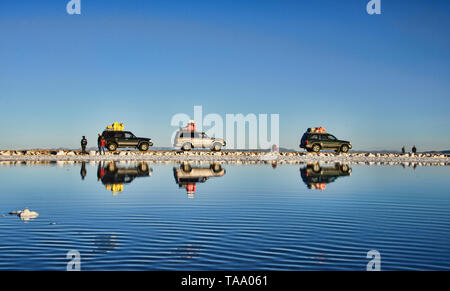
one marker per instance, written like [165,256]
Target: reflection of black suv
[125,139]
[316,176]
[314,142]
[114,173]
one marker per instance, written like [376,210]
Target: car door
[206,140]
[119,139]
[325,141]
[186,137]
[129,139]
[332,141]
[197,141]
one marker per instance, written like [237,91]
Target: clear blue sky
[380,81]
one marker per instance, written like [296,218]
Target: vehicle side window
[119,135]
[332,137]
[197,135]
[128,135]
[324,137]
[314,137]
[187,135]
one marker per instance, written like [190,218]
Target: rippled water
[253,217]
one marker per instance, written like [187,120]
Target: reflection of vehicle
[314,141]
[187,176]
[187,140]
[316,176]
[114,175]
[125,139]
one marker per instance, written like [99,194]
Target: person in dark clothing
[99,142]
[83,145]
[403,150]
[414,149]
[83,170]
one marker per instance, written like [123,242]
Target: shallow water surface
[139,216]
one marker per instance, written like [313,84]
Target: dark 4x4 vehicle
[314,142]
[125,139]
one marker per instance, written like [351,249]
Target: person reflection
[317,177]
[114,175]
[187,176]
[83,171]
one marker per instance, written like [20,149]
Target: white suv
[187,140]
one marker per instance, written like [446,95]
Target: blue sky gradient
[381,81]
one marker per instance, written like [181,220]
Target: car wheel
[186,167]
[216,147]
[216,168]
[112,147]
[344,168]
[144,146]
[143,167]
[316,148]
[186,147]
[344,148]
[316,168]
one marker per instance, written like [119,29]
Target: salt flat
[235,157]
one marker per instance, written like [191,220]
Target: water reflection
[83,171]
[187,175]
[187,252]
[317,177]
[113,175]
[104,243]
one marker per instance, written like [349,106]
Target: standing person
[102,145]
[99,141]
[403,150]
[414,149]
[83,145]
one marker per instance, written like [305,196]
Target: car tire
[112,147]
[316,168]
[316,148]
[143,167]
[216,147]
[144,146]
[186,167]
[216,168]
[186,147]
[344,148]
[344,168]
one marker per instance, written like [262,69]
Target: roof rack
[319,129]
[115,127]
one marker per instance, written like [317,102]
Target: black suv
[125,139]
[314,142]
